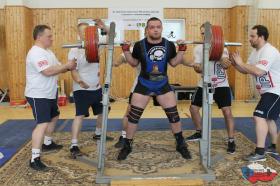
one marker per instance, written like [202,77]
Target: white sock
[97,131]
[35,154]
[74,142]
[123,133]
[47,140]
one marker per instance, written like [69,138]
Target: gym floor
[239,109]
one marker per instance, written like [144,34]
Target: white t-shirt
[37,84]
[268,59]
[89,72]
[217,72]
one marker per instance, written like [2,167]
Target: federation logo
[157,53]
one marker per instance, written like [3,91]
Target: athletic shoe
[38,165]
[271,150]
[231,147]
[126,150]
[195,137]
[253,157]
[53,146]
[120,143]
[97,137]
[75,151]
[183,150]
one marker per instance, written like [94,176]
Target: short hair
[82,24]
[203,25]
[153,19]
[261,31]
[39,29]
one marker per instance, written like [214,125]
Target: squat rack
[205,142]
[213,46]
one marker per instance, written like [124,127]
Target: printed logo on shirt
[220,74]
[264,81]
[157,53]
[263,62]
[43,63]
[220,71]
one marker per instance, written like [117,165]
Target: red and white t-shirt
[37,84]
[217,72]
[268,59]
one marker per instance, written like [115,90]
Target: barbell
[91,44]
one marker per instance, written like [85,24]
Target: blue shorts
[43,109]
[141,89]
[84,99]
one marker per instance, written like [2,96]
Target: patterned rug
[153,154]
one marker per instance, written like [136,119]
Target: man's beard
[253,45]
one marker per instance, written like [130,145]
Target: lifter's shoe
[271,150]
[52,147]
[254,157]
[231,147]
[126,150]
[120,143]
[38,165]
[75,151]
[195,137]
[97,137]
[184,151]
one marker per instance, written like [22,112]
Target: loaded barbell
[91,44]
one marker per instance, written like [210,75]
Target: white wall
[2,3]
[269,4]
[273,4]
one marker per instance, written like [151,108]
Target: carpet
[153,154]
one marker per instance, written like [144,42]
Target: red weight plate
[91,44]
[217,43]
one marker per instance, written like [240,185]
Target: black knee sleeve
[172,114]
[134,114]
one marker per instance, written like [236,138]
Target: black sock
[273,145]
[259,151]
[198,131]
[231,140]
[179,138]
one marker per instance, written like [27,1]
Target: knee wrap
[172,114]
[134,114]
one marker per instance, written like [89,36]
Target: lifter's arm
[128,55]
[179,58]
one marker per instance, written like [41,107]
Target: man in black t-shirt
[154,53]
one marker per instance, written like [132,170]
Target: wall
[238,32]
[18,30]
[63,23]
[270,18]
[3,62]
[21,20]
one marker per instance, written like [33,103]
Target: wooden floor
[239,109]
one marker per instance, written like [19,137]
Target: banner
[133,18]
